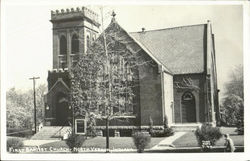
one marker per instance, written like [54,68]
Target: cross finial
[113,14]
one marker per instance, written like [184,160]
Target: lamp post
[34,89]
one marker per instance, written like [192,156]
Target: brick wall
[150,93]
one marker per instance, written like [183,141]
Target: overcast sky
[28,34]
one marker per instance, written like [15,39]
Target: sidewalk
[37,142]
[167,142]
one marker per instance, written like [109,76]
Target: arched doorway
[62,109]
[188,108]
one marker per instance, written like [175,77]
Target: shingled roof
[180,49]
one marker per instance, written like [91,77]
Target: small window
[80,126]
[88,42]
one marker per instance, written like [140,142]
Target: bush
[91,131]
[141,140]
[208,133]
[14,143]
[75,141]
[168,131]
[162,133]
[19,132]
[240,130]
[240,125]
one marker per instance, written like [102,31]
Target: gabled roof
[180,49]
[133,47]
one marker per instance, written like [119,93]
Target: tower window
[63,46]
[63,52]
[75,44]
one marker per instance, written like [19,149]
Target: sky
[28,34]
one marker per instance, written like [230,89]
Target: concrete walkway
[37,142]
[167,142]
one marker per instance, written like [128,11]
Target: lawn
[189,139]
[100,142]
[20,138]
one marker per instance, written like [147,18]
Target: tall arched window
[75,44]
[63,52]
[63,45]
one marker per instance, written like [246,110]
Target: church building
[179,85]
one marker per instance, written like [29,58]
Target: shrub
[75,141]
[208,133]
[91,131]
[168,131]
[162,133]
[156,133]
[240,124]
[19,132]
[14,143]
[141,140]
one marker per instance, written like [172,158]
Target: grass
[189,139]
[21,138]
[100,142]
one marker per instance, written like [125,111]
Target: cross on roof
[113,14]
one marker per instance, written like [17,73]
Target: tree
[235,84]
[233,103]
[234,107]
[104,81]
[20,109]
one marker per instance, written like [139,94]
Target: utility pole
[34,89]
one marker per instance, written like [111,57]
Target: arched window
[75,44]
[63,52]
[128,71]
[63,45]
[88,41]
[187,96]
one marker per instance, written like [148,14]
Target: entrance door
[62,110]
[188,108]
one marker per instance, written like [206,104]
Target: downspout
[160,70]
[206,50]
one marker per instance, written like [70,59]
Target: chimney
[143,30]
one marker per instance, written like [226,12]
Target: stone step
[51,133]
[185,127]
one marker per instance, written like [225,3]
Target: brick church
[181,84]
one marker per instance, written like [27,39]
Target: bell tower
[73,31]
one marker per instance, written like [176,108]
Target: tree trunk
[107,135]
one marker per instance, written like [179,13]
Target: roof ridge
[170,28]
